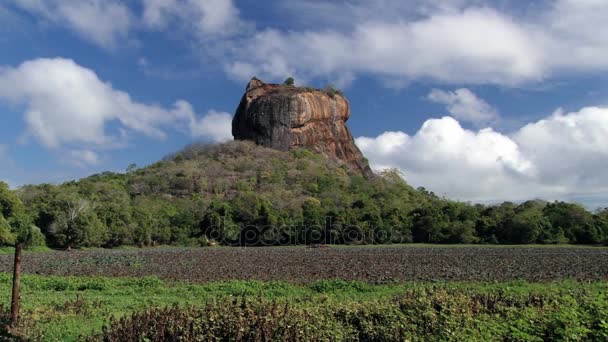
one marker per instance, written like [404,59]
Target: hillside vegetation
[240,193]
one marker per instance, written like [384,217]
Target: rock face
[285,117]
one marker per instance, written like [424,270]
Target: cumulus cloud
[463,42]
[575,42]
[478,45]
[464,105]
[67,104]
[108,22]
[554,158]
[205,17]
[83,158]
[104,22]
[217,126]
[570,149]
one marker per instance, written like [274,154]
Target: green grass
[429,245]
[36,249]
[10,250]
[66,307]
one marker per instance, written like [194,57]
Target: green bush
[422,314]
[289,81]
[326,286]
[37,238]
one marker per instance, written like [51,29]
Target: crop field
[369,293]
[299,265]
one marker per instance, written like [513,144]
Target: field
[299,265]
[428,292]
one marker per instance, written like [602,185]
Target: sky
[475,100]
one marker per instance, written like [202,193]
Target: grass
[11,250]
[430,245]
[67,307]
[37,249]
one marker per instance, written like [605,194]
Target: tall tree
[14,219]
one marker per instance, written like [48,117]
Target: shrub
[37,238]
[331,90]
[289,81]
[434,314]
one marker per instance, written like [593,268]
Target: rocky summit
[285,117]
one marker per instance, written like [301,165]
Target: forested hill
[240,193]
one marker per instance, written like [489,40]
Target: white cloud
[205,17]
[576,39]
[104,22]
[570,149]
[478,45]
[461,42]
[83,158]
[562,156]
[215,125]
[464,105]
[67,104]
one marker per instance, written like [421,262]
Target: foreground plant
[437,314]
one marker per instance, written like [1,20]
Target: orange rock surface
[285,117]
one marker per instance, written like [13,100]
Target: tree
[16,226]
[217,223]
[576,222]
[289,81]
[601,222]
[7,238]
[77,224]
[428,224]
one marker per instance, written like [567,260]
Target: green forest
[239,193]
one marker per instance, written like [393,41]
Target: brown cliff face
[285,117]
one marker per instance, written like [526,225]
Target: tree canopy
[240,193]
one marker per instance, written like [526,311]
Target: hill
[309,185]
[241,193]
[178,199]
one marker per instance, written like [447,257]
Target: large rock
[285,117]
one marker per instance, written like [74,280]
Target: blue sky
[476,100]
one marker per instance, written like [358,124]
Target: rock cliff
[285,117]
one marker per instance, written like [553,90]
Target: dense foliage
[15,221]
[239,193]
[435,314]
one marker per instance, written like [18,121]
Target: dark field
[300,265]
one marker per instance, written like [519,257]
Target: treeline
[239,193]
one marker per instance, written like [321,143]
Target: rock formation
[285,117]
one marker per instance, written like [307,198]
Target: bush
[289,81]
[325,286]
[331,90]
[433,314]
[7,238]
[37,239]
